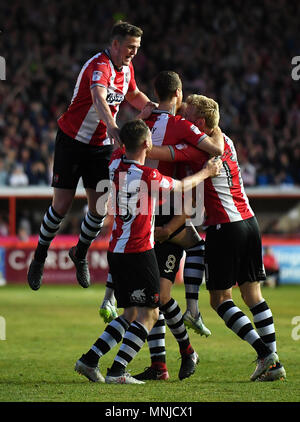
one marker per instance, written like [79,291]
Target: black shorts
[136,278]
[233,254]
[74,159]
[168,257]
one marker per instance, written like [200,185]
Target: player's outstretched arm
[139,100]
[163,153]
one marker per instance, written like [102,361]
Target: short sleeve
[99,73]
[185,152]
[190,133]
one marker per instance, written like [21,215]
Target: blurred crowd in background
[237,52]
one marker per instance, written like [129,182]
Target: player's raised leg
[90,229]
[62,200]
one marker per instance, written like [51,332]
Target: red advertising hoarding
[58,267]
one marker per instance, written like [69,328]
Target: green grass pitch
[48,330]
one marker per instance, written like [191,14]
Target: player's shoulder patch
[96,75]
[153,173]
[181,146]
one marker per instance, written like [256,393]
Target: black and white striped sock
[49,227]
[156,340]
[193,275]
[133,341]
[90,228]
[263,321]
[111,336]
[241,325]
[174,320]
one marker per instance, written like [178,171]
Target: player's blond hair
[205,108]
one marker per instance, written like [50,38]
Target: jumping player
[84,145]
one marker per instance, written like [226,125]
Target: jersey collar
[155,111]
[126,161]
[107,52]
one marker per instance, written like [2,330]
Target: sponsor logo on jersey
[114,98]
[181,146]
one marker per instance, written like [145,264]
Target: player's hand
[214,166]
[161,234]
[147,110]
[114,134]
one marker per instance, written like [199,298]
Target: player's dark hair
[121,29]
[166,83]
[133,134]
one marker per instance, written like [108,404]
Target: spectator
[18,177]
[23,234]
[3,172]
[3,226]
[250,77]
[38,174]
[272,267]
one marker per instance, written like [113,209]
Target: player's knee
[130,314]
[155,315]
[251,299]
[216,299]
[61,208]
[244,297]
[214,302]
[251,294]
[164,298]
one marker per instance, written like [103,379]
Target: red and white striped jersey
[135,190]
[167,129]
[81,120]
[225,199]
